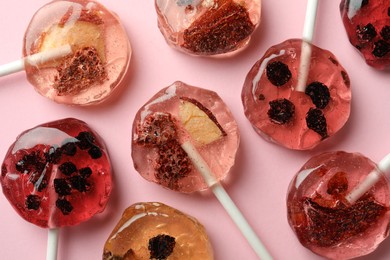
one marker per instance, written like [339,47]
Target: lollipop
[297,94]
[75,52]
[367,24]
[208,27]
[57,174]
[156,231]
[185,139]
[338,204]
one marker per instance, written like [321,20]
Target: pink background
[263,170]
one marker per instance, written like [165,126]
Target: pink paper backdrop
[263,170]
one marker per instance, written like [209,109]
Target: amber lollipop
[75,52]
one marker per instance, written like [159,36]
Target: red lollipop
[57,174]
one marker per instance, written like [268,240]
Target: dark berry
[53,156]
[95,152]
[281,111]
[316,121]
[79,183]
[62,187]
[381,48]
[69,148]
[67,168]
[385,33]
[261,97]
[366,33]
[85,172]
[338,184]
[33,202]
[3,170]
[319,94]
[31,162]
[364,3]
[346,79]
[64,205]
[278,73]
[161,246]
[86,140]
[388,11]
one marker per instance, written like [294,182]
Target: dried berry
[95,152]
[218,30]
[316,121]
[86,140]
[366,33]
[278,73]
[33,202]
[79,72]
[385,33]
[64,205]
[79,183]
[341,222]
[319,94]
[69,148]
[54,155]
[281,111]
[364,3]
[161,246]
[85,172]
[381,48]
[156,129]
[33,162]
[67,168]
[338,184]
[173,164]
[61,187]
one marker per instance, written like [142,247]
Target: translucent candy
[208,27]
[320,215]
[157,231]
[175,115]
[367,23]
[294,119]
[100,52]
[57,174]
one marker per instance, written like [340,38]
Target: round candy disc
[208,27]
[320,215]
[57,174]
[99,58]
[175,115]
[157,231]
[294,119]
[368,28]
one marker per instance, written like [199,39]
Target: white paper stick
[52,244]
[383,168]
[226,201]
[35,59]
[307,38]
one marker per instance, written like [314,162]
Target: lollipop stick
[35,59]
[226,201]
[52,244]
[382,169]
[307,38]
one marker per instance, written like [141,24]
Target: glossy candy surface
[294,119]
[367,23]
[57,174]
[208,27]
[320,215]
[177,114]
[156,231]
[100,52]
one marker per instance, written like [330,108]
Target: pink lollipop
[185,139]
[297,94]
[367,24]
[75,52]
[208,27]
[57,174]
[338,204]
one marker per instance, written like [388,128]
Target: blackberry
[95,152]
[54,155]
[33,202]
[278,73]
[364,3]
[67,168]
[69,148]
[316,121]
[281,111]
[381,48]
[319,94]
[161,246]
[86,140]
[62,187]
[64,205]
[85,172]
[366,33]
[385,33]
[79,183]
